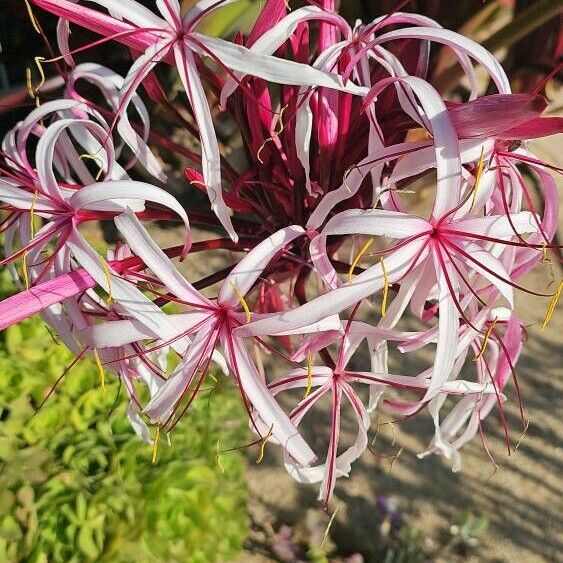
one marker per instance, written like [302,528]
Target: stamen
[549,262]
[38,61]
[24,270]
[97,160]
[385,288]
[358,257]
[478,175]
[32,91]
[107,273]
[155,445]
[263,445]
[309,375]
[552,306]
[328,526]
[31,215]
[28,83]
[32,17]
[485,340]
[242,301]
[101,370]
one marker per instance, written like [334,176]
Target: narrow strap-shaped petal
[133,12]
[177,385]
[170,10]
[491,266]
[100,22]
[354,179]
[448,326]
[268,409]
[27,303]
[458,42]
[271,40]
[46,149]
[498,226]
[122,190]
[124,293]
[210,155]
[363,285]
[144,247]
[377,222]
[21,198]
[110,334]
[273,69]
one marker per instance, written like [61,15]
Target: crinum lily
[212,325]
[340,382]
[173,37]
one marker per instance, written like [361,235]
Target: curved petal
[273,69]
[90,197]
[268,409]
[177,385]
[144,247]
[210,155]
[378,222]
[363,285]
[498,226]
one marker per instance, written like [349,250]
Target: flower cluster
[342,270]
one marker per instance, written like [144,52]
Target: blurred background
[77,485]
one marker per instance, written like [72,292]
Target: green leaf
[86,543]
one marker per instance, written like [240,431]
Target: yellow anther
[242,301]
[107,273]
[328,526]
[101,370]
[32,17]
[218,456]
[263,445]
[485,340]
[546,259]
[155,445]
[358,257]
[33,90]
[32,215]
[309,375]
[28,83]
[552,306]
[97,160]
[478,176]
[38,61]
[24,270]
[385,288]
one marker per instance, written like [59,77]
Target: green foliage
[76,484]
